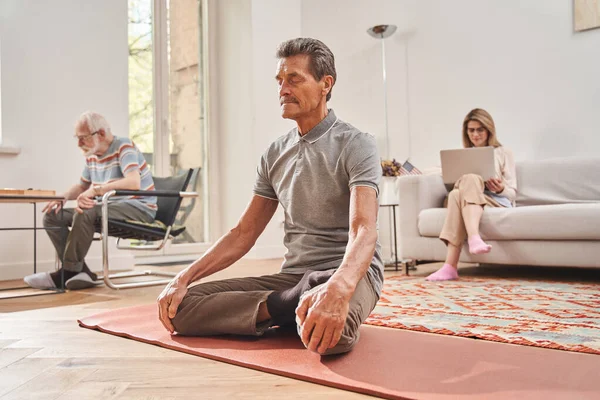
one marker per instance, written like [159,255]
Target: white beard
[89,151]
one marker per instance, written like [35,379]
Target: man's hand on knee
[54,205]
[321,316]
[85,201]
[169,301]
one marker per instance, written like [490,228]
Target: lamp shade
[382,31]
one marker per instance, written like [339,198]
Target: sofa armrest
[416,193]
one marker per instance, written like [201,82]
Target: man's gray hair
[94,122]
[322,61]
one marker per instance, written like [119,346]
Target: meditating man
[325,174]
[111,163]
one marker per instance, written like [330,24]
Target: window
[166,99]
[141,104]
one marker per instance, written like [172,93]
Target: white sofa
[556,221]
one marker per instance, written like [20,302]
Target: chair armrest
[145,193]
[416,193]
[153,193]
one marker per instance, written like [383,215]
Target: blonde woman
[471,194]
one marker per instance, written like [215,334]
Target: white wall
[249,119]
[59,58]
[518,59]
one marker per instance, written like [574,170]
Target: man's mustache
[284,100]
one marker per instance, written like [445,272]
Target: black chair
[186,209]
[169,192]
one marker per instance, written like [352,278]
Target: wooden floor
[46,355]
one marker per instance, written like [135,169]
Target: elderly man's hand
[321,316]
[169,301]
[54,205]
[85,201]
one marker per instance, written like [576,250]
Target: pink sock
[478,246]
[446,273]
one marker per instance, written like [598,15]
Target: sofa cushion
[558,181]
[548,222]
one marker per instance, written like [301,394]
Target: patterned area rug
[563,316]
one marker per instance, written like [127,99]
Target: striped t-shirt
[122,157]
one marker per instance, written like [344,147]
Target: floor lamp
[382,32]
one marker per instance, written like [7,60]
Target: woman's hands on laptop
[495,185]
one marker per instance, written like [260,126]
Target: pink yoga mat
[389,363]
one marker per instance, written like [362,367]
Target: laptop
[472,160]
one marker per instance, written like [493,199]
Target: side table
[30,199]
[407,263]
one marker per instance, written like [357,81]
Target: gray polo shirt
[311,176]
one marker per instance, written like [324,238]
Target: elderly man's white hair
[93,122]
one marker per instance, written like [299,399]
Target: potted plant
[388,188]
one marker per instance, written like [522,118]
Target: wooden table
[16,196]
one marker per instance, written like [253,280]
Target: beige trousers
[467,190]
[231,306]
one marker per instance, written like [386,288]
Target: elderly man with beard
[111,163]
